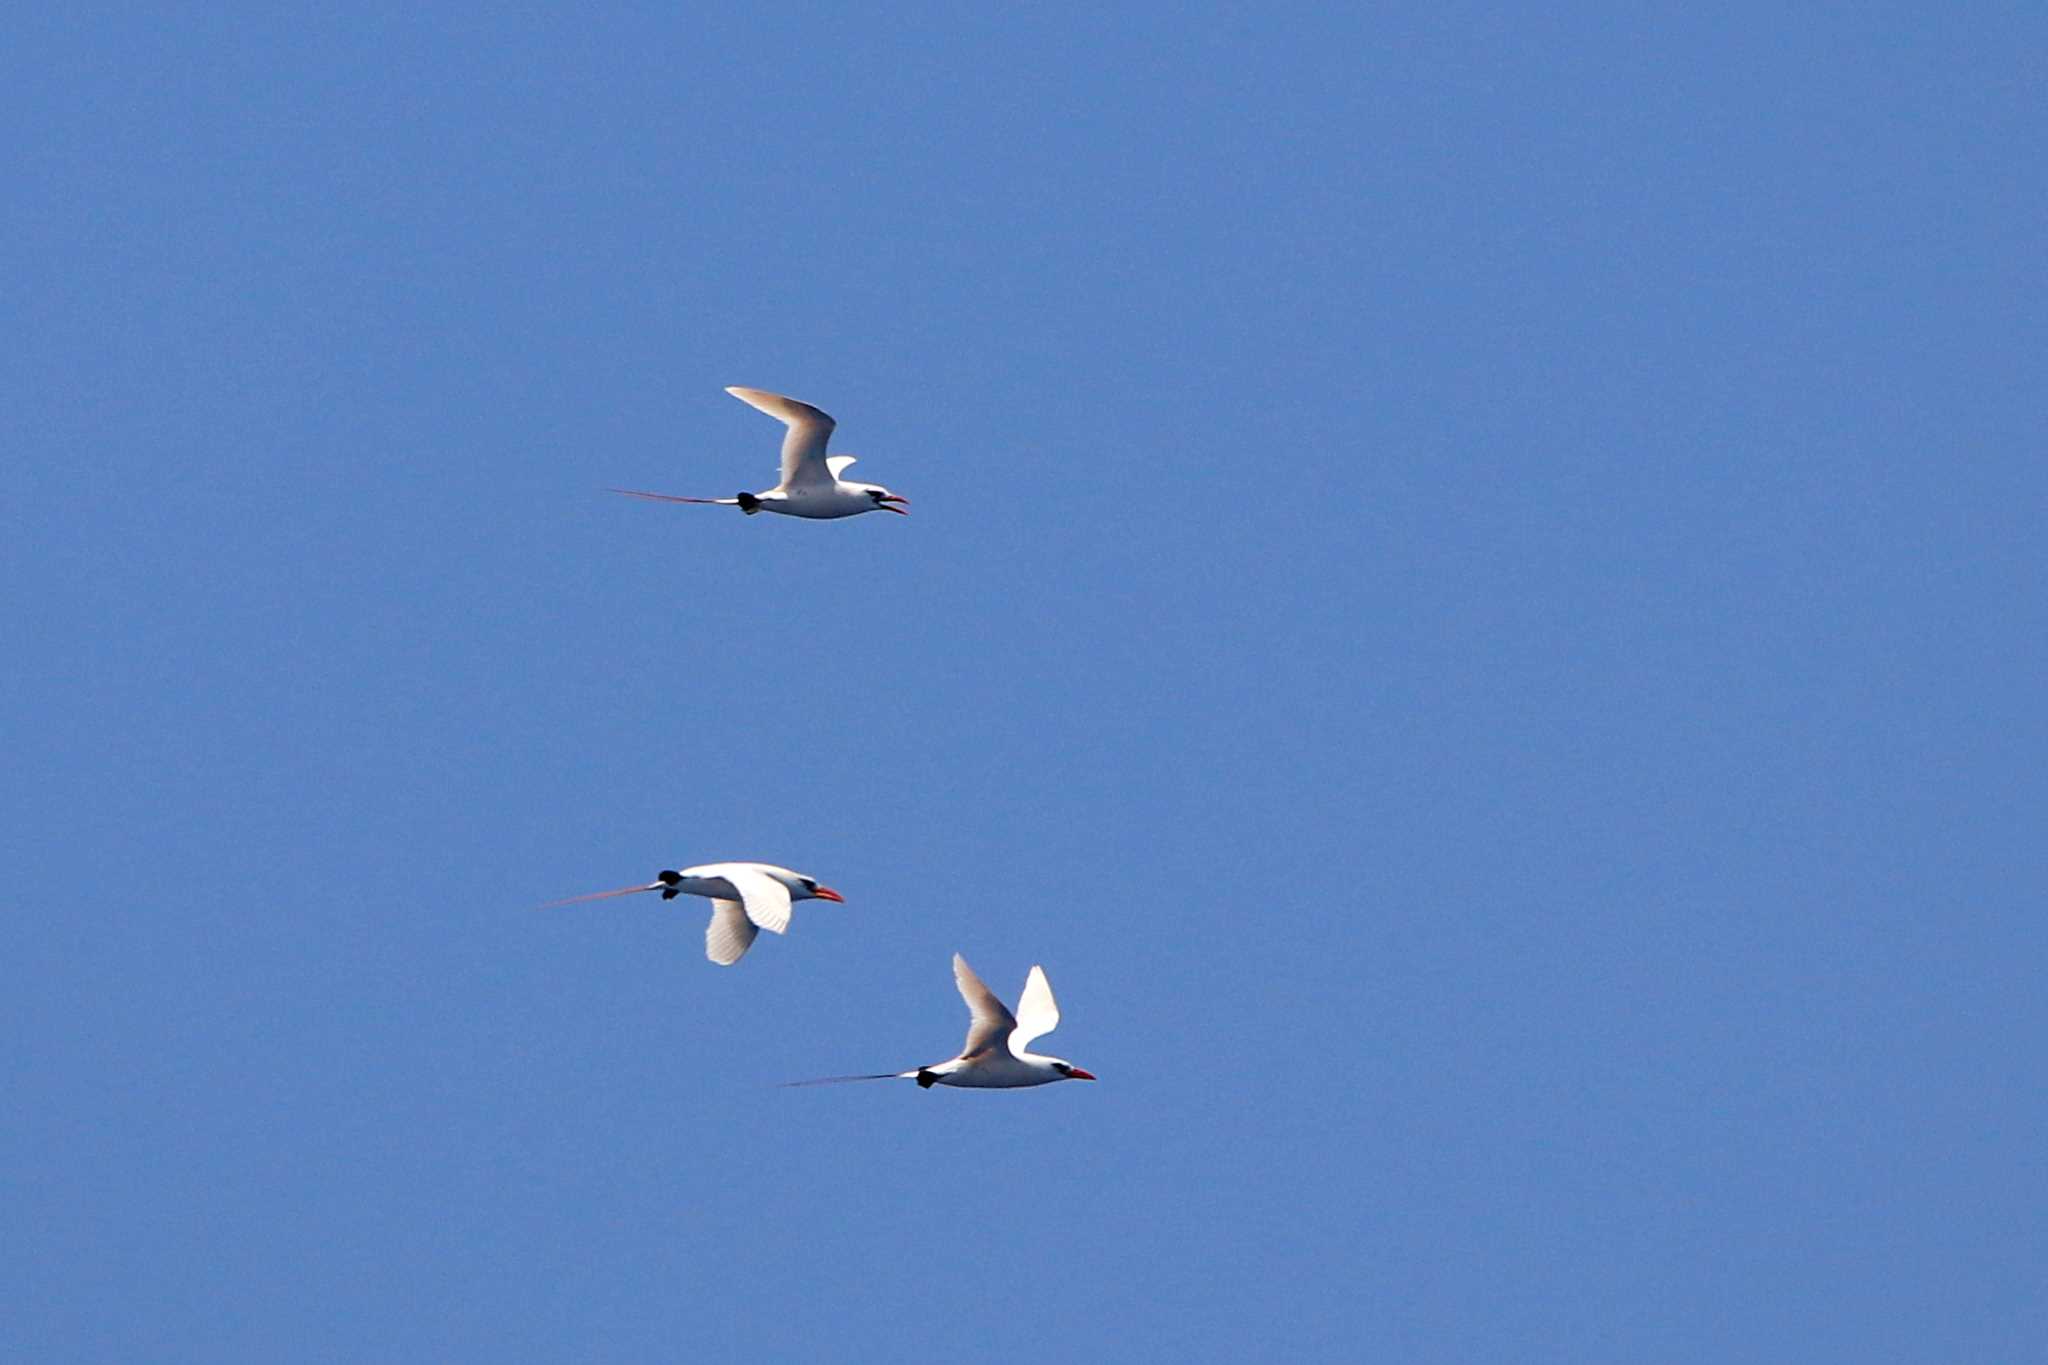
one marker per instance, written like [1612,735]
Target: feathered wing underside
[991,1021]
[803,447]
[730,933]
[765,899]
[1037,1013]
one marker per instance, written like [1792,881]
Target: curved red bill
[826,893]
[884,502]
[1075,1073]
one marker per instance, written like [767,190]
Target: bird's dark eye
[809,885]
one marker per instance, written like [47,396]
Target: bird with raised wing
[745,899]
[997,1054]
[811,484]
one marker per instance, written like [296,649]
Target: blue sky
[1503,684]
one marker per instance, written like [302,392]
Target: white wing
[1037,1013]
[766,900]
[803,449]
[838,463]
[992,1023]
[730,933]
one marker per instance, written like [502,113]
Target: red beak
[1075,1073]
[884,501]
[826,893]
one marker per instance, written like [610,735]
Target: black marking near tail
[749,503]
[926,1079]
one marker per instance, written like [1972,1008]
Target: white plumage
[745,899]
[996,1055]
[812,485]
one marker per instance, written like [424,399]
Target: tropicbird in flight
[811,484]
[745,899]
[996,1056]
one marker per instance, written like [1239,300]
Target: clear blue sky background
[1503,682]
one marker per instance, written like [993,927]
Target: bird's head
[808,889]
[1069,1072]
[885,501]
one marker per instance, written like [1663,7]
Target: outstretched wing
[992,1023]
[838,463]
[766,900]
[730,933]
[1037,1013]
[803,448]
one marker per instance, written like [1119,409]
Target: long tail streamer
[600,895]
[671,497]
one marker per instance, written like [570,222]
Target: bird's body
[820,502]
[811,485]
[745,899]
[995,1071]
[996,1055]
